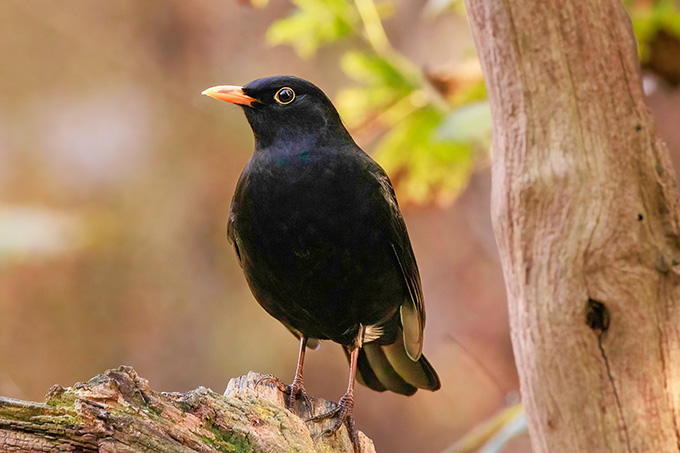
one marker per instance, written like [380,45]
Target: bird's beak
[230,93]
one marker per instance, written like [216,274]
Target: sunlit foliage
[428,137]
[415,129]
[651,17]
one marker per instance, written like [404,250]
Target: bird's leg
[343,411]
[297,387]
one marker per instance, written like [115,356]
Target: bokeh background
[116,178]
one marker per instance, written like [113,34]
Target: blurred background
[116,178]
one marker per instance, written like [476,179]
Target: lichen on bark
[118,412]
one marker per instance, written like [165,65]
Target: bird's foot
[342,414]
[294,391]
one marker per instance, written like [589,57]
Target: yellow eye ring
[284,96]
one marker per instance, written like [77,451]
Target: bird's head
[283,108]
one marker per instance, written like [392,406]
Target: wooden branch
[118,412]
[585,211]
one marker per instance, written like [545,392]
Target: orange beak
[230,93]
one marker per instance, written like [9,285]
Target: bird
[323,245]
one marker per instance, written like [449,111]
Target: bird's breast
[306,194]
[313,233]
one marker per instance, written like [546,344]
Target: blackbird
[322,242]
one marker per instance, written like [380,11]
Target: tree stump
[118,412]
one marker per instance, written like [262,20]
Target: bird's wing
[233,210]
[231,235]
[413,308]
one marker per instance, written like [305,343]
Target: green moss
[38,414]
[225,440]
[64,401]
[60,420]
[11,412]
[266,412]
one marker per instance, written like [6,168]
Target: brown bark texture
[585,212]
[118,412]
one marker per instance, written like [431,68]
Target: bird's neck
[294,140]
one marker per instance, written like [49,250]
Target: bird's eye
[284,96]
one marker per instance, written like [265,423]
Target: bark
[585,212]
[118,412]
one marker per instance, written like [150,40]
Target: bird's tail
[388,367]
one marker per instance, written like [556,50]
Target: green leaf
[470,93]
[356,104]
[374,70]
[314,23]
[470,123]
[648,19]
[382,86]
[429,169]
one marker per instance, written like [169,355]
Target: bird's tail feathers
[388,367]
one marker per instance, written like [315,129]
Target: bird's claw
[342,413]
[270,378]
[295,390]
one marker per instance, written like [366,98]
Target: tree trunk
[118,412]
[585,211]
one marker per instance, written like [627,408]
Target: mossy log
[118,412]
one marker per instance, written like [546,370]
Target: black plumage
[322,243]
